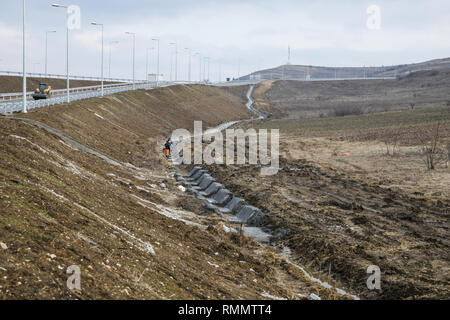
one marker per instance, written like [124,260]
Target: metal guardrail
[59,96]
[76,94]
[19,95]
[60,76]
[236,83]
[340,79]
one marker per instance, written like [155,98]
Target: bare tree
[392,141]
[429,146]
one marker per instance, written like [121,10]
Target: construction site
[104,196]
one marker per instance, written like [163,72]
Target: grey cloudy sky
[254,32]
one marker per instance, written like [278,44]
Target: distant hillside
[294,72]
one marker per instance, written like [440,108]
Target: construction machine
[44,91]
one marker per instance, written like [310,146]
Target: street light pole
[134,56]
[176,60]
[157,68]
[101,25]
[24,87]
[171,66]
[239,69]
[200,66]
[46,50]
[209,60]
[204,68]
[189,72]
[146,63]
[67,49]
[109,67]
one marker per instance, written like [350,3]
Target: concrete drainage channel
[219,200]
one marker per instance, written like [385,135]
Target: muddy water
[258,234]
[286,255]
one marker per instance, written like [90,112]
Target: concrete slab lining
[221,198]
[248,215]
[200,179]
[233,206]
[197,175]
[214,195]
[206,182]
[212,189]
[193,171]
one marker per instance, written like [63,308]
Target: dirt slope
[129,229]
[128,124]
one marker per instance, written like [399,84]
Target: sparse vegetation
[420,90]
[430,146]
[392,142]
[348,110]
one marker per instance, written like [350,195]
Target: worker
[167,147]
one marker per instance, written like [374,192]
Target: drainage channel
[219,200]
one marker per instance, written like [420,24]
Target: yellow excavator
[44,91]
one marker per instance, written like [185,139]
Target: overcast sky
[254,32]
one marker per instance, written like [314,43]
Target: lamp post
[109,67]
[157,67]
[204,68]
[67,49]
[171,66]
[200,66]
[146,64]
[46,50]
[101,25]
[239,68]
[208,59]
[189,71]
[176,60]
[24,82]
[134,55]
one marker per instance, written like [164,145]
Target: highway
[12,102]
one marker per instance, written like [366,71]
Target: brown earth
[11,84]
[340,225]
[99,204]
[347,205]
[127,125]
